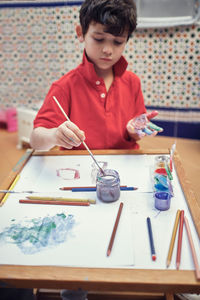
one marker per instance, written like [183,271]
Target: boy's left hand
[150,129]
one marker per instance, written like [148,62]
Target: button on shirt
[102,115]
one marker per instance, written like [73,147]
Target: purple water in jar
[162,200]
[108,186]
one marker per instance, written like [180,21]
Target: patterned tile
[38,45]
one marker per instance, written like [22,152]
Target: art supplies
[114,230]
[144,127]
[10,190]
[93,189]
[173,148]
[194,256]
[69,188]
[161,175]
[6,185]
[17,192]
[108,186]
[162,200]
[52,202]
[102,171]
[94,224]
[180,235]
[92,201]
[171,247]
[153,253]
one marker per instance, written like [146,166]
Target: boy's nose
[107,50]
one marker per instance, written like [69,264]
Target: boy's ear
[79,33]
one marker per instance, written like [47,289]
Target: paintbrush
[17,192]
[172,150]
[82,141]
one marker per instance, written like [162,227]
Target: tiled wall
[38,45]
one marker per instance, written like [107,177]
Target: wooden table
[103,279]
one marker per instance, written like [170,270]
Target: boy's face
[103,49]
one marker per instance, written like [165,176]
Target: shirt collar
[87,68]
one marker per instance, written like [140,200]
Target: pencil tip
[177,266]
[154,257]
[168,263]
[108,252]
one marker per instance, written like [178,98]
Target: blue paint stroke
[39,234]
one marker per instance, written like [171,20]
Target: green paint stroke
[34,235]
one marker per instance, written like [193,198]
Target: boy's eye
[98,40]
[118,43]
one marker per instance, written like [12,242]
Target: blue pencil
[93,189]
[153,253]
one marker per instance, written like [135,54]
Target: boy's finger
[152,114]
[154,127]
[76,135]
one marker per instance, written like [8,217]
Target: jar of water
[108,185]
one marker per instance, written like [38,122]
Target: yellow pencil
[173,238]
[92,201]
[10,189]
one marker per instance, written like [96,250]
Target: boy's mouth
[106,59]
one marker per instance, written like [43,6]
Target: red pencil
[114,229]
[194,255]
[54,202]
[69,188]
[180,235]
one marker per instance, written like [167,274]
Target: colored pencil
[180,235]
[86,147]
[69,188]
[92,201]
[52,202]
[153,253]
[6,184]
[171,247]
[114,229]
[10,190]
[194,256]
[93,189]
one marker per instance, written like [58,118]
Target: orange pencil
[114,229]
[194,256]
[28,201]
[180,235]
[69,188]
[169,256]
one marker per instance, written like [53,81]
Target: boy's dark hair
[116,15]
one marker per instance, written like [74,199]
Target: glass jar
[108,185]
[161,161]
[162,200]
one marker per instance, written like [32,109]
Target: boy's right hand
[68,135]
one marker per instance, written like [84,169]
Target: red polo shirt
[102,115]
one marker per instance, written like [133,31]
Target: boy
[100,96]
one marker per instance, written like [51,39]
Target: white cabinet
[25,119]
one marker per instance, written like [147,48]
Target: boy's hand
[141,126]
[68,135]
[133,133]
